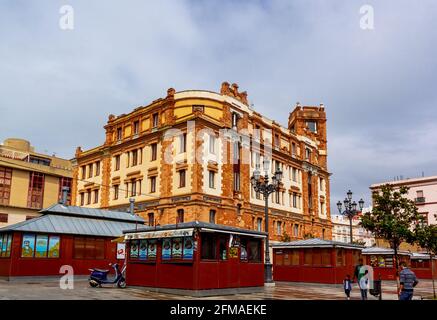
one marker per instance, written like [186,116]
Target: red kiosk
[422,265]
[195,258]
[314,260]
[382,261]
[63,235]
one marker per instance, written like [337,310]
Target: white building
[341,230]
[423,191]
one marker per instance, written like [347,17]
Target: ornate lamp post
[350,210]
[261,184]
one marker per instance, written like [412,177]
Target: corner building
[189,156]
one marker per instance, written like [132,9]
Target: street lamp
[261,185]
[350,209]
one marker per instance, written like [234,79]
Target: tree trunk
[395,248]
[431,257]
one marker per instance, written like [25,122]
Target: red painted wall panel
[50,267]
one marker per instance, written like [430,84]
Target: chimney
[65,196]
[131,206]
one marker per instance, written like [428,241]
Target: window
[128,159]
[258,195]
[223,250]
[308,256]
[277,193]
[133,191]
[151,219]
[83,175]
[277,141]
[322,184]
[294,174]
[96,196]
[296,230]
[183,143]
[323,234]
[259,223]
[134,157]
[278,227]
[312,126]
[37,160]
[36,190]
[180,216]
[211,179]
[155,120]
[212,144]
[294,200]
[126,194]
[40,246]
[5,245]
[65,182]
[236,181]
[136,127]
[154,148]
[212,216]
[116,191]
[152,184]
[322,208]
[117,162]
[341,257]
[88,248]
[308,154]
[326,257]
[181,178]
[4,218]
[82,198]
[5,185]
[119,134]
[209,246]
[254,251]
[419,193]
[293,148]
[88,198]
[90,170]
[234,120]
[97,168]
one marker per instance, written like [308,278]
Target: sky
[57,86]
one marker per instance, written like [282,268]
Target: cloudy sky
[57,87]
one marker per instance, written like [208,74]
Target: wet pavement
[51,290]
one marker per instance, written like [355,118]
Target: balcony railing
[419,200]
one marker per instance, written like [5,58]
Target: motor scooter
[99,277]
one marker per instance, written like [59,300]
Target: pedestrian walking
[359,271]
[408,281]
[364,285]
[347,285]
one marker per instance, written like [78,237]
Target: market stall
[63,235]
[382,261]
[195,256]
[314,260]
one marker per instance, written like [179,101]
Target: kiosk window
[223,248]
[209,247]
[254,250]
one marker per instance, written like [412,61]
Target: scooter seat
[101,270]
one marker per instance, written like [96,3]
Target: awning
[160,234]
[118,240]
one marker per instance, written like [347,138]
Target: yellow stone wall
[51,191]
[19,188]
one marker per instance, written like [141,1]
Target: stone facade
[191,154]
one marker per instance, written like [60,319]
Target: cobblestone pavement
[291,291]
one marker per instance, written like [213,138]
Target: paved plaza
[35,290]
